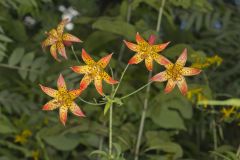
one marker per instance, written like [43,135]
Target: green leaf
[62,142]
[107,106]
[170,109]
[16,56]
[5,38]
[115,26]
[98,152]
[25,63]
[6,126]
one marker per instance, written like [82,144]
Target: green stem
[238,152]
[143,117]
[75,54]
[136,91]
[114,93]
[17,68]
[90,103]
[215,137]
[110,131]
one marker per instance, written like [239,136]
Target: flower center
[95,70]
[64,98]
[146,50]
[175,72]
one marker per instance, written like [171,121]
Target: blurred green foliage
[176,127]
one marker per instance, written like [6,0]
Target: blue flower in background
[183,25]
[237,2]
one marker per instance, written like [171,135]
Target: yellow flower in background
[227,112]
[208,62]
[23,137]
[58,40]
[35,154]
[198,94]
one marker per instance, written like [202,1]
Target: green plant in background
[175,127]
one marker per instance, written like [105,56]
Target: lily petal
[187,71]
[61,26]
[98,84]
[75,93]
[53,51]
[61,83]
[182,85]
[61,49]
[152,39]
[71,38]
[139,39]
[160,47]
[49,91]
[181,61]
[149,63]
[49,41]
[131,46]
[75,109]
[86,57]
[63,114]
[160,77]
[51,105]
[85,82]
[103,62]
[53,32]
[81,69]
[170,86]
[161,59]
[108,79]
[135,59]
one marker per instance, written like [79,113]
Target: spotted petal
[86,57]
[53,51]
[81,69]
[61,49]
[170,86]
[61,26]
[149,63]
[160,47]
[49,91]
[53,32]
[181,61]
[85,82]
[75,109]
[161,60]
[63,114]
[70,38]
[49,41]
[61,83]
[98,84]
[108,79]
[160,77]
[139,39]
[131,46]
[187,71]
[182,85]
[75,93]
[135,59]
[51,105]
[103,62]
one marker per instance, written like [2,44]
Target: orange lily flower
[175,73]
[57,39]
[147,51]
[63,99]
[94,71]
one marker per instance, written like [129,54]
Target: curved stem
[114,93]
[91,103]
[140,132]
[136,91]
[75,54]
